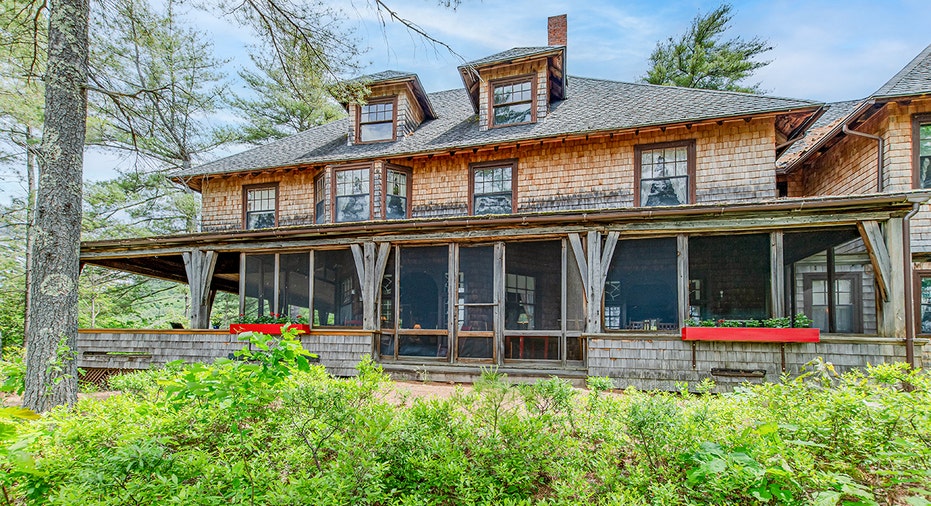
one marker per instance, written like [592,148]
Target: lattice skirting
[100,376]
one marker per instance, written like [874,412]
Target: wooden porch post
[199,266]
[370,266]
[893,309]
[593,266]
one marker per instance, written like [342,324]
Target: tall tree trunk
[51,371]
[32,181]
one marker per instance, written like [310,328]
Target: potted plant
[770,330]
[271,324]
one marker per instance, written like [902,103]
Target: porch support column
[682,271]
[893,309]
[593,265]
[199,266]
[879,255]
[777,273]
[370,265]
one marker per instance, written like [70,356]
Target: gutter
[909,287]
[881,144]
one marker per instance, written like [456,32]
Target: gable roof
[913,79]
[555,62]
[828,124]
[395,76]
[595,106]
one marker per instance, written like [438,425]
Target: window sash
[924,154]
[261,207]
[352,199]
[396,195]
[376,122]
[512,103]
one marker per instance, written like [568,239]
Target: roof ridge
[701,90]
[900,76]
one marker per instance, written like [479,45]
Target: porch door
[476,302]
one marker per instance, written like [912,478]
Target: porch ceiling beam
[879,255]
[416,233]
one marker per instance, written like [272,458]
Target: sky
[822,50]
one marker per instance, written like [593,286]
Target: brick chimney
[556,29]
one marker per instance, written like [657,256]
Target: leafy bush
[13,371]
[273,429]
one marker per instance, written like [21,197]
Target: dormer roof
[556,69]
[391,77]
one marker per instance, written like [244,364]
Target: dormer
[518,86]
[395,106]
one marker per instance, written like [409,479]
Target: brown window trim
[512,80]
[384,185]
[917,121]
[245,200]
[351,166]
[640,148]
[394,120]
[918,274]
[492,164]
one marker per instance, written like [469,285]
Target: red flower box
[267,328]
[752,334]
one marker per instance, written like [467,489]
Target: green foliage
[700,59]
[13,371]
[270,429]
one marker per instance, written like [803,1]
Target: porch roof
[161,257]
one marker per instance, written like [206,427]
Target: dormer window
[377,121]
[512,102]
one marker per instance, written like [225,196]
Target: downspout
[881,144]
[909,288]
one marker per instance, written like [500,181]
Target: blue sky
[822,50]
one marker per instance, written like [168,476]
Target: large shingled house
[552,224]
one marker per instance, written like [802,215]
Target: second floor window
[922,134]
[396,195]
[261,207]
[512,103]
[376,122]
[352,195]
[665,174]
[493,188]
[319,200]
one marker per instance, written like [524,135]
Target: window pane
[319,200]
[493,204]
[664,176]
[514,92]
[664,192]
[337,295]
[926,305]
[263,219]
[734,273]
[396,200]
[515,113]
[293,285]
[376,131]
[641,291]
[259,285]
[354,208]
[352,182]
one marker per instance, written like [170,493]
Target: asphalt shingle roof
[834,114]
[593,105]
[385,75]
[913,79]
[512,54]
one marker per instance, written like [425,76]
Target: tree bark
[51,370]
[32,182]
